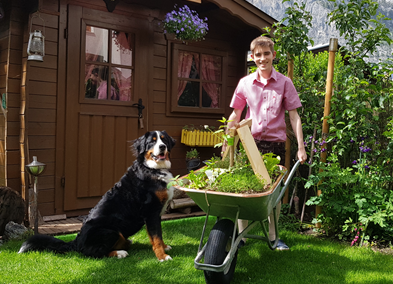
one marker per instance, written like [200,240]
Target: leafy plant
[185,24]
[192,154]
[222,129]
[237,179]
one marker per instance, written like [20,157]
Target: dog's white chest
[166,176]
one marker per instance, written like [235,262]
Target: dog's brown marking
[121,244]
[158,247]
[112,254]
[148,155]
[162,195]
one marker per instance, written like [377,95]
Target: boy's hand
[302,155]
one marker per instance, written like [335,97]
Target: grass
[310,260]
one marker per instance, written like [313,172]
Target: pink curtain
[184,69]
[211,70]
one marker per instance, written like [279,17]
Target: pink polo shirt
[266,104]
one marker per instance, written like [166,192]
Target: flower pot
[170,36]
[193,164]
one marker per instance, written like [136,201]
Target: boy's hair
[262,41]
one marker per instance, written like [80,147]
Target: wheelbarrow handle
[288,180]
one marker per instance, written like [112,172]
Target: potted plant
[192,159]
[185,24]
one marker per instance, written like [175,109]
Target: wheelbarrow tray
[254,206]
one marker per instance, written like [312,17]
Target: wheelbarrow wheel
[217,248]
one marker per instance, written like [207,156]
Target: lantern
[36,45]
[35,168]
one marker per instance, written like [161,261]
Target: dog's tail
[46,243]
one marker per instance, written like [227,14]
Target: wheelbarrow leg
[275,221]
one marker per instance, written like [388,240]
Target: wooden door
[105,82]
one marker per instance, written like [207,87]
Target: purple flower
[315,150]
[366,167]
[323,150]
[352,141]
[354,162]
[365,149]
[305,143]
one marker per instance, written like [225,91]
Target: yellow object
[197,138]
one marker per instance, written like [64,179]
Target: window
[197,80]
[109,70]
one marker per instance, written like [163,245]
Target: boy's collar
[273,75]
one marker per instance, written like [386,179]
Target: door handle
[140,107]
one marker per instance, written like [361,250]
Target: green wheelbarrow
[220,250]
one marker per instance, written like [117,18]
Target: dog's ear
[140,144]
[172,141]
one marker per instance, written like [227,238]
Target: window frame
[174,107]
[110,65]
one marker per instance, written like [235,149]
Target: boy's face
[263,58]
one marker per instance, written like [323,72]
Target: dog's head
[153,148]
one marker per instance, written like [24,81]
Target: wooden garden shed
[49,108]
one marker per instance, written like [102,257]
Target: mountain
[321,32]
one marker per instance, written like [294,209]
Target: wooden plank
[120,147]
[95,158]
[253,154]
[160,50]
[159,96]
[159,108]
[42,115]
[159,73]
[107,167]
[47,155]
[132,134]
[42,102]
[13,85]
[182,203]
[54,217]
[50,61]
[41,128]
[42,74]
[42,142]
[15,56]
[82,186]
[42,88]
[159,61]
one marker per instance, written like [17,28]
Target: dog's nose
[162,147]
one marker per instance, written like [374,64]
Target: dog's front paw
[167,248]
[122,254]
[167,257]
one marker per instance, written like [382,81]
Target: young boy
[268,94]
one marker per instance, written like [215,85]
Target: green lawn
[310,260]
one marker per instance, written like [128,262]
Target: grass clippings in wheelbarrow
[218,176]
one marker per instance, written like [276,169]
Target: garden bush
[356,180]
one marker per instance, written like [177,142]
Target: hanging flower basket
[185,24]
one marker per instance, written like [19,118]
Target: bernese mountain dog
[138,199]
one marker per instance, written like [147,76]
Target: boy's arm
[297,128]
